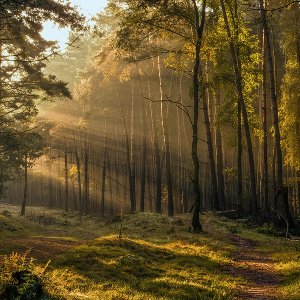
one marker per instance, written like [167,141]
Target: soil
[39,248]
[257,269]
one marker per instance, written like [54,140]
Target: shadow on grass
[291,285]
[146,268]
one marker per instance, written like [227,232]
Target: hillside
[148,256]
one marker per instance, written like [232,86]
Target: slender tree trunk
[50,182]
[66,179]
[166,144]
[132,161]
[235,15]
[25,185]
[180,185]
[279,162]
[143,176]
[102,199]
[144,148]
[74,196]
[103,181]
[111,201]
[273,93]
[78,166]
[150,190]
[239,87]
[86,178]
[129,157]
[219,158]
[157,159]
[265,132]
[116,169]
[209,140]
[196,87]
[239,158]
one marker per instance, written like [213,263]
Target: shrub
[19,279]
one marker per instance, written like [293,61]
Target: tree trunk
[25,186]
[144,148]
[132,162]
[77,159]
[239,88]
[265,132]
[279,163]
[50,183]
[196,86]
[273,93]
[219,158]
[86,179]
[239,158]
[209,140]
[66,179]
[157,159]
[116,170]
[111,201]
[166,144]
[102,199]
[129,157]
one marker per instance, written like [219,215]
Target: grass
[156,258]
[286,253]
[137,269]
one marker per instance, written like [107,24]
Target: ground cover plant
[153,257]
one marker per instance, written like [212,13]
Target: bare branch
[178,104]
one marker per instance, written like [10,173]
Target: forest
[157,156]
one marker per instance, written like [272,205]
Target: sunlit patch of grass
[138,269]
[288,257]
[156,258]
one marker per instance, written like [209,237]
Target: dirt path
[37,247]
[257,269]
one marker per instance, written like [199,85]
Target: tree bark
[132,162]
[66,179]
[209,140]
[277,138]
[239,88]
[167,153]
[78,166]
[129,158]
[86,178]
[103,181]
[219,158]
[25,185]
[102,199]
[265,132]
[144,147]
[273,93]
[196,87]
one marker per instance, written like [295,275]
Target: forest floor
[154,257]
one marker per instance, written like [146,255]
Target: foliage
[220,68]
[23,83]
[20,279]
[290,104]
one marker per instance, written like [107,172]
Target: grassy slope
[155,259]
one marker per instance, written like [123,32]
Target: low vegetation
[143,256]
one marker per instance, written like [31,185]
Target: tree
[241,100]
[30,147]
[23,56]
[174,18]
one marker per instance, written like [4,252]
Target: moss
[156,258]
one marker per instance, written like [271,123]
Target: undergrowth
[20,279]
[156,257]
